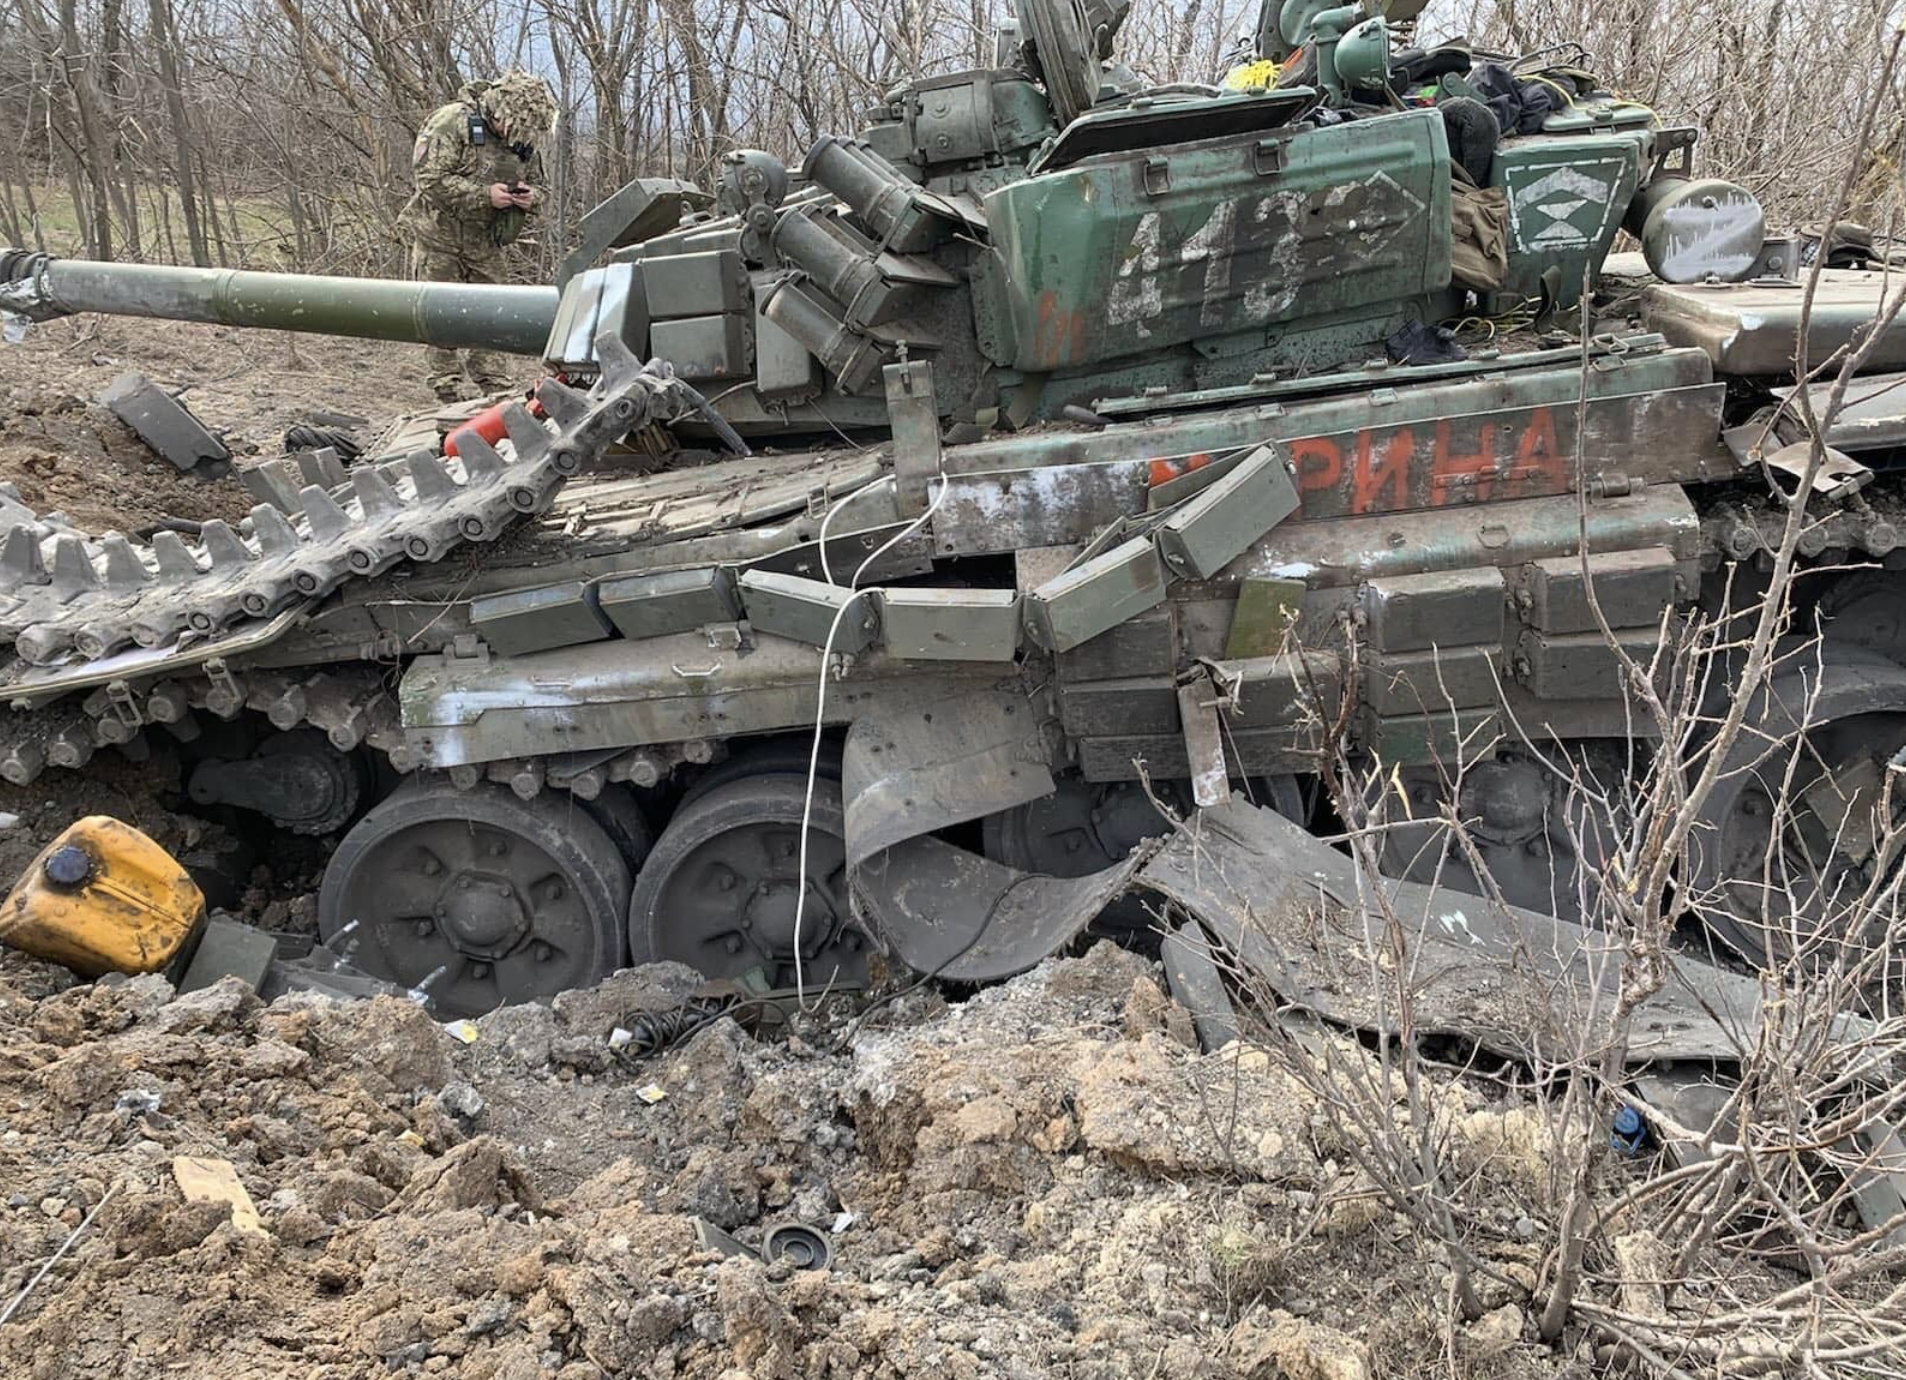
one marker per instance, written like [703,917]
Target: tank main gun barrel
[453,315]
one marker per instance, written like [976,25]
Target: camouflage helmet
[519,103]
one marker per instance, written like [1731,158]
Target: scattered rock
[653,1320]
[1645,1266]
[345,1194]
[392,1038]
[136,1102]
[1103,975]
[1147,1009]
[461,1101]
[718,1185]
[1149,1103]
[1354,1207]
[523,1032]
[764,1335]
[479,1173]
[1495,1331]
[1511,1145]
[223,1006]
[1288,1348]
[985,1120]
[270,1058]
[593,1013]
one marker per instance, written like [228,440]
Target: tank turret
[1050,235]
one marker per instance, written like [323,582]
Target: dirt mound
[67,453]
[1045,1179]
[136,792]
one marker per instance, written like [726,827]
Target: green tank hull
[1115,458]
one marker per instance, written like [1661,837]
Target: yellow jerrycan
[103,898]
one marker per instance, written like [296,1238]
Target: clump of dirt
[132,791]
[1044,1179]
[67,453]
[147,791]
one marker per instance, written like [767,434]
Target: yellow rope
[1503,323]
[1567,95]
[1261,75]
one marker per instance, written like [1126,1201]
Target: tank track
[67,595]
[351,705]
[72,600]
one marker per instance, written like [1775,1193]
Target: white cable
[826,573]
[820,712]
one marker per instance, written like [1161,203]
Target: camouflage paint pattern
[457,235]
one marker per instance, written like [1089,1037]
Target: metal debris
[1197,984]
[802,1246]
[712,1238]
[227,948]
[6,1314]
[1288,907]
[165,424]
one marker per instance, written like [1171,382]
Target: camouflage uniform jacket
[456,158]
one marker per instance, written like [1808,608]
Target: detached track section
[74,607]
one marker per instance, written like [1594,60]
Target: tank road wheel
[623,821]
[482,898]
[1087,826]
[720,888]
[1768,879]
[776,757]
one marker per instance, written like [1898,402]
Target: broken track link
[348,704]
[420,514]
[352,705]
[68,596]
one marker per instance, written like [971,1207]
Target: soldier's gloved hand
[503,196]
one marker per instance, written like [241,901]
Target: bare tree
[280,134]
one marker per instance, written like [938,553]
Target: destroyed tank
[891,538]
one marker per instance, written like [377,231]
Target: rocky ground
[1046,1179]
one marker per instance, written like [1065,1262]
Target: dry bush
[1742,1252]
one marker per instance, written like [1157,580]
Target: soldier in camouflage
[473,164]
